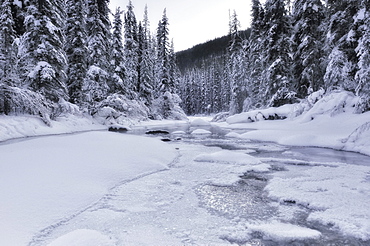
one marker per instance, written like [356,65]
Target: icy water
[246,200]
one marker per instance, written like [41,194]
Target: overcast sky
[191,21]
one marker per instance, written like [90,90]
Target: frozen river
[246,203]
[219,190]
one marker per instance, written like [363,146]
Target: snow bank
[323,121]
[45,181]
[284,232]
[83,237]
[29,126]
[281,112]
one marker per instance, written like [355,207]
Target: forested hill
[216,47]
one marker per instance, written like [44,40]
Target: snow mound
[199,122]
[359,140]
[284,232]
[201,132]
[228,157]
[278,113]
[83,237]
[332,104]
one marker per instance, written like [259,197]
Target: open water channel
[247,199]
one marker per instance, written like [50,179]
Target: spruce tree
[308,37]
[163,63]
[43,61]
[341,43]
[131,47]
[277,86]
[363,52]
[7,46]
[237,68]
[99,79]
[76,48]
[118,61]
[254,54]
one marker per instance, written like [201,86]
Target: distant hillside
[194,56]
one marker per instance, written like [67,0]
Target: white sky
[191,21]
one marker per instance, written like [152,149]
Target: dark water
[247,199]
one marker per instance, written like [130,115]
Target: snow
[199,122]
[226,156]
[12,127]
[201,132]
[104,188]
[327,123]
[83,237]
[41,186]
[331,191]
[284,232]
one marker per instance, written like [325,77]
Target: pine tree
[131,47]
[76,48]
[118,61]
[164,80]
[237,68]
[43,61]
[363,52]
[340,44]
[308,38]
[146,64]
[7,46]
[98,80]
[277,58]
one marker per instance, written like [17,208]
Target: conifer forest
[67,55]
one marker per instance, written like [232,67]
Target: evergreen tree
[164,80]
[363,52]
[43,61]
[7,46]
[131,47]
[118,61]
[237,72]
[254,57]
[340,44]
[277,85]
[76,48]
[308,38]
[98,80]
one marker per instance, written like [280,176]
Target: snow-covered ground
[103,188]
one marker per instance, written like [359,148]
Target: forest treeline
[57,55]
[294,48]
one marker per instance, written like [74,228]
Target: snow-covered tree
[146,63]
[236,66]
[99,50]
[363,53]
[76,48]
[118,61]
[131,47]
[163,63]
[308,37]
[341,42]
[7,46]
[254,55]
[277,86]
[42,58]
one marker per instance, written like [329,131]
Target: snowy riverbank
[328,122]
